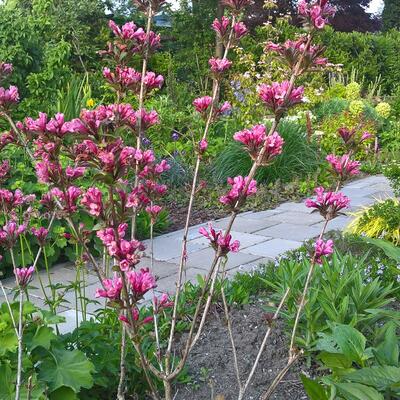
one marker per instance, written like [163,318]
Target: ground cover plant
[97,174]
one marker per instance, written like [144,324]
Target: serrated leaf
[8,342]
[314,390]
[67,368]
[357,391]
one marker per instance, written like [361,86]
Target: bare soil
[211,367]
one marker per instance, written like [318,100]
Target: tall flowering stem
[183,256]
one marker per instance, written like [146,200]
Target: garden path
[263,236]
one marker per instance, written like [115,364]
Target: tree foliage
[391,15]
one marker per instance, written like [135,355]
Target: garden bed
[210,364]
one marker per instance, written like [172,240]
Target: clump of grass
[299,158]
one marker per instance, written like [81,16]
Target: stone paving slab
[272,248]
[245,224]
[297,218]
[202,259]
[290,232]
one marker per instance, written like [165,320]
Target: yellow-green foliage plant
[381,221]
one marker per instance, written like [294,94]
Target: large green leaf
[8,341]
[351,342]
[356,391]
[387,353]
[380,377]
[338,363]
[67,368]
[63,393]
[6,382]
[314,390]
[43,337]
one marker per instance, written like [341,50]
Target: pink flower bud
[322,249]
[23,276]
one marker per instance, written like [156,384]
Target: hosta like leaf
[67,368]
[356,391]
[379,377]
[314,390]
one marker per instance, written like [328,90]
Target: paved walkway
[263,236]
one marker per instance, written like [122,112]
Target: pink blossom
[74,172]
[253,139]
[316,13]
[365,136]
[239,185]
[4,169]
[220,241]
[141,282]
[202,103]
[153,211]
[10,233]
[346,134]
[23,276]
[126,32]
[5,70]
[148,119]
[6,138]
[329,204]
[112,288]
[322,249]
[240,30]
[219,65]
[41,235]
[161,303]
[221,26]
[343,166]
[135,317]
[8,97]
[278,98]
[153,81]
[93,201]
[292,52]
[69,198]
[203,144]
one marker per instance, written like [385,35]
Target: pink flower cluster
[329,204]
[316,13]
[5,70]
[92,200]
[23,276]
[322,249]
[140,282]
[4,170]
[278,98]
[40,234]
[219,65]
[6,138]
[349,137]
[10,200]
[343,166]
[111,288]
[161,303]
[223,28]
[220,241]
[10,233]
[67,199]
[240,190]
[8,97]
[291,52]
[128,79]
[131,39]
[124,251]
[202,106]
[255,139]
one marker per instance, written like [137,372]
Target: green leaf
[351,342]
[379,377]
[67,368]
[336,361]
[6,382]
[8,342]
[356,391]
[387,353]
[43,337]
[63,393]
[314,390]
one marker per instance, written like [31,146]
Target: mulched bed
[211,368]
